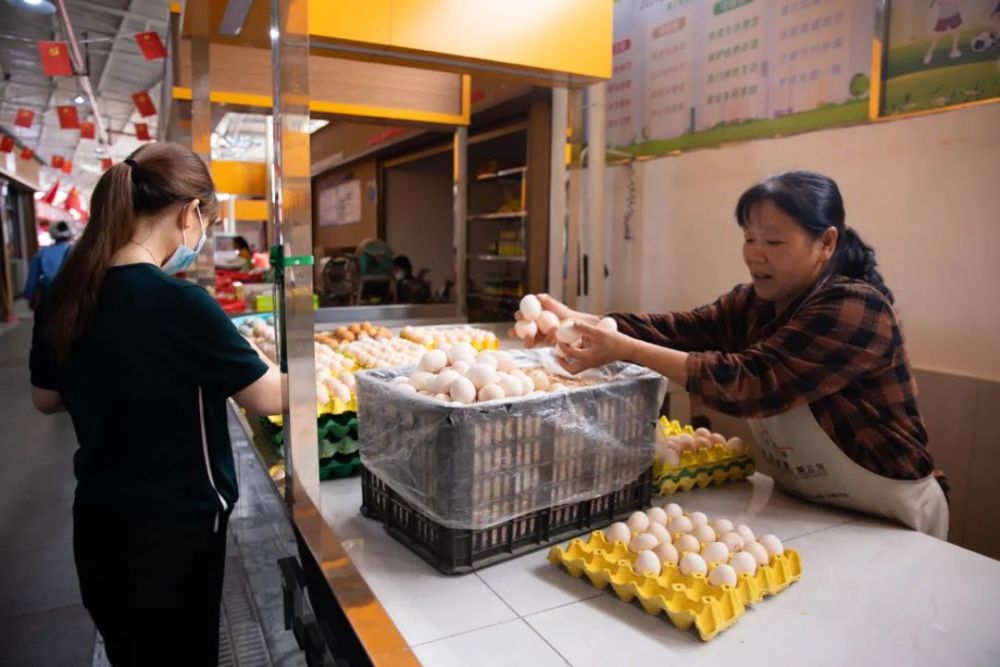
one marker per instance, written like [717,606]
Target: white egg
[672,458]
[703,432]
[433,361]
[518,372]
[772,544]
[491,392]
[732,540]
[657,515]
[445,398]
[715,552]
[680,524]
[660,532]
[717,439]
[736,445]
[481,375]
[759,553]
[687,443]
[524,329]
[461,367]
[348,379]
[722,575]
[442,383]
[638,522]
[540,379]
[744,562]
[487,357]
[686,543]
[462,391]
[618,532]
[698,518]
[704,533]
[673,510]
[406,388]
[512,387]
[642,542]
[505,362]
[567,333]
[746,533]
[547,321]
[527,384]
[647,563]
[667,553]
[343,394]
[322,395]
[421,380]
[608,324]
[692,563]
[721,526]
[531,307]
[462,352]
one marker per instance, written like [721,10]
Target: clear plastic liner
[475,466]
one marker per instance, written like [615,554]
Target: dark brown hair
[151,179]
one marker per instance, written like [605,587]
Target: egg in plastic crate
[700,468]
[434,337]
[687,600]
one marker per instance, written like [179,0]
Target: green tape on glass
[279,261]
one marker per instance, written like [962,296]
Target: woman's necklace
[147,251]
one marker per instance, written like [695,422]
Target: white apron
[795,450]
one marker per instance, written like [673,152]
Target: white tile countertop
[870,593]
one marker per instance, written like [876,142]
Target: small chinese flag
[7,144]
[86,130]
[67,166]
[50,196]
[27,153]
[68,118]
[72,202]
[151,46]
[142,132]
[144,104]
[55,58]
[105,163]
[57,161]
[24,117]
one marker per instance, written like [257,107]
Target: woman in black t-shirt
[143,363]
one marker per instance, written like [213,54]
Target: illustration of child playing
[949,19]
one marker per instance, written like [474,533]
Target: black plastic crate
[456,551]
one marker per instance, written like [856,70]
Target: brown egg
[700,442]
[355,328]
[341,332]
[348,336]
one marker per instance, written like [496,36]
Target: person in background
[47,261]
[244,251]
[144,364]
[409,289]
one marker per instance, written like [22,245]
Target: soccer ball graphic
[983,41]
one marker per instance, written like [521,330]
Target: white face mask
[184,256]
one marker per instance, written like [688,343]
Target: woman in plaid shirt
[810,352]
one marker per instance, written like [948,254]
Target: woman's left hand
[596,348]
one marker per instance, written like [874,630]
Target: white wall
[925,192]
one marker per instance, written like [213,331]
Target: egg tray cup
[687,600]
[478,347]
[337,431]
[701,469]
[340,466]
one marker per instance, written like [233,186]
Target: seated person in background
[244,251]
[408,288]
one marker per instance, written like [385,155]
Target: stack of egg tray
[715,465]
[338,443]
[687,600]
[492,344]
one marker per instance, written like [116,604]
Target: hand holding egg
[594,346]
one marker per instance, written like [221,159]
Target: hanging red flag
[55,58]
[87,129]
[142,132]
[6,144]
[27,153]
[151,46]
[50,196]
[105,163]
[68,118]
[72,202]
[57,161]
[24,117]
[144,104]
[67,166]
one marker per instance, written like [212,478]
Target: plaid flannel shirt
[838,349]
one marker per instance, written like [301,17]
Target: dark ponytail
[813,200]
[152,178]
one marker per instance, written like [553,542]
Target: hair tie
[131,163]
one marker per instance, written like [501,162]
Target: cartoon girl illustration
[949,19]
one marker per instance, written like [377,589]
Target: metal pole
[459,191]
[201,124]
[596,147]
[557,193]
[292,210]
[575,188]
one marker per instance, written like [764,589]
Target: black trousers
[152,584]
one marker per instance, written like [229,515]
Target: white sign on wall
[340,204]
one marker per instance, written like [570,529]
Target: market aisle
[42,621]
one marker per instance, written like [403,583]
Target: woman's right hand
[562,311]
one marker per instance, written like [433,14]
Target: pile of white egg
[334,375]
[463,376]
[661,537]
[448,336]
[669,449]
[534,321]
[262,334]
[391,353]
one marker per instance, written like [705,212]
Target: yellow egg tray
[334,407]
[702,468]
[687,600]
[478,347]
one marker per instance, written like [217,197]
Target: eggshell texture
[406,388]
[461,367]
[421,379]
[736,445]
[531,307]
[525,329]
[657,515]
[758,552]
[667,553]
[722,575]
[527,385]
[343,394]
[462,352]
[659,532]
[540,379]
[672,458]
[442,383]
[744,562]
[642,542]
[721,526]
[772,544]
[608,324]
[481,375]
[717,439]
[566,333]
[638,522]
[686,443]
[733,540]
[701,442]
[647,563]
[704,533]
[680,524]
[463,391]
[486,357]
[686,543]
[511,386]
[433,361]
[715,552]
[547,321]
[491,392]
[618,532]
[746,533]
[322,395]
[698,518]
[692,563]
[673,510]
[445,398]
[505,362]
[703,432]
